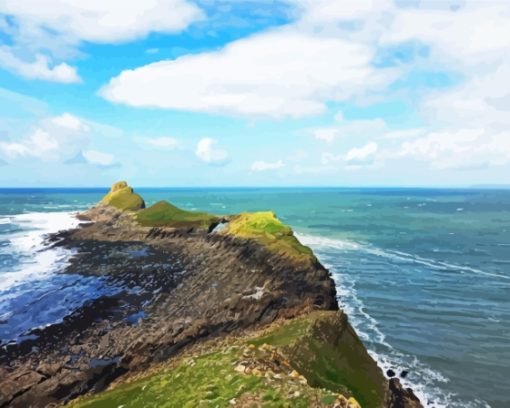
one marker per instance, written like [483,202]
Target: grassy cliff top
[263,227]
[122,197]
[267,229]
[164,214]
[316,360]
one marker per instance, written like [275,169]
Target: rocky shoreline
[178,286]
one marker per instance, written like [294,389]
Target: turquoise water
[423,274]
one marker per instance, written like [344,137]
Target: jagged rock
[401,397]
[189,285]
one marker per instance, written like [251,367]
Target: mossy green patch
[122,197]
[209,380]
[326,350]
[267,229]
[320,346]
[164,214]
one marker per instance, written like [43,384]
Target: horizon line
[474,186]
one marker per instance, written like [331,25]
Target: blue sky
[254,93]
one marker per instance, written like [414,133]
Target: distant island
[212,311]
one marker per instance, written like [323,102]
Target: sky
[254,92]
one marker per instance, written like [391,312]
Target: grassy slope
[263,226]
[327,351]
[164,214]
[121,196]
[267,229]
[268,378]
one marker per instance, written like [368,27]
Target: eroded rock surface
[177,286]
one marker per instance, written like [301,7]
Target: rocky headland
[210,311]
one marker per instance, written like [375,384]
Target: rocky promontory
[210,311]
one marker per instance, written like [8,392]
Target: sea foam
[36,257]
[422,378]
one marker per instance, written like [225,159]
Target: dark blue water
[423,273]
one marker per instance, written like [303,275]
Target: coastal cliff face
[232,303]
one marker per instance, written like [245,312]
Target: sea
[424,274]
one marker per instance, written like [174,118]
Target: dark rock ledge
[179,286]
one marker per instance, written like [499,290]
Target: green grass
[164,214]
[210,380]
[267,229]
[205,381]
[321,346]
[121,196]
[326,350]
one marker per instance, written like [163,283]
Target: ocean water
[424,274]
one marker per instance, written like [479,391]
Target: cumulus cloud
[101,21]
[355,157]
[54,139]
[470,38]
[286,72]
[464,148]
[163,142]
[265,166]
[39,29]
[206,152]
[352,128]
[40,68]
[99,158]
[465,33]
[327,135]
[360,155]
[62,138]
[66,120]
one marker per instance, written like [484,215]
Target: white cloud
[99,158]
[40,68]
[357,156]
[163,142]
[62,138]
[327,11]
[360,155]
[54,139]
[264,166]
[66,120]
[206,152]
[39,29]
[404,133]
[100,21]
[327,135]
[13,150]
[350,128]
[469,34]
[286,72]
[463,148]
[328,157]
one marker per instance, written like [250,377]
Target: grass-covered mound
[265,370]
[263,226]
[164,214]
[326,350]
[267,229]
[123,197]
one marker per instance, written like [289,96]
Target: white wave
[314,240]
[5,220]
[37,259]
[398,256]
[388,358]
[422,379]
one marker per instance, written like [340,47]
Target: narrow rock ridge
[177,286]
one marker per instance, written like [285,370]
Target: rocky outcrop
[184,286]
[401,397]
[122,197]
[179,285]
